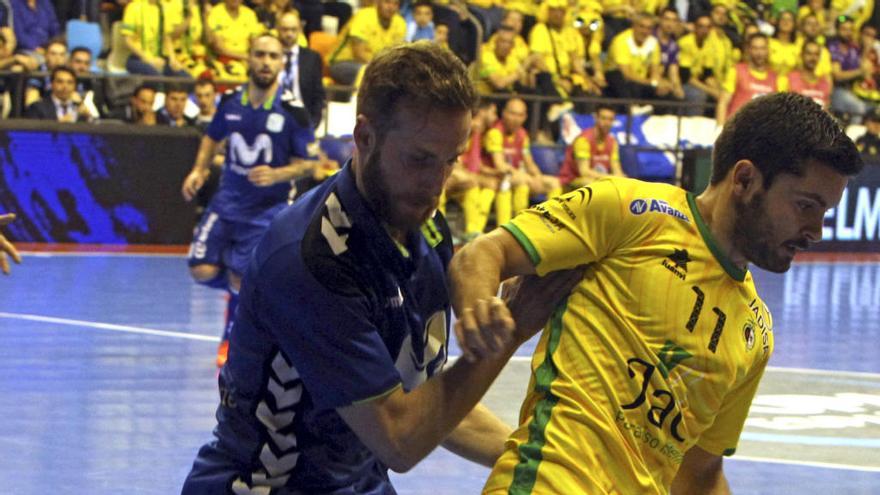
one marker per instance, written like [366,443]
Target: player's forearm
[425,417]
[475,272]
[479,437]
[207,150]
[296,168]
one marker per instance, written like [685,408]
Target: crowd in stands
[714,55]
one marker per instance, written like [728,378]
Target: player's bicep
[571,230]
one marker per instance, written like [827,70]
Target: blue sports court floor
[108,384]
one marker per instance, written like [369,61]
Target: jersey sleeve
[360,28]
[130,19]
[323,325]
[301,138]
[782,84]
[217,129]
[574,229]
[722,437]
[581,148]
[729,85]
[619,52]
[494,141]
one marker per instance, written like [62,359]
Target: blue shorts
[224,243]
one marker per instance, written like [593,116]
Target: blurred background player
[265,151]
[7,249]
[594,154]
[806,81]
[749,79]
[507,152]
[369,30]
[468,184]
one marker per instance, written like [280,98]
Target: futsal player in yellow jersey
[643,377]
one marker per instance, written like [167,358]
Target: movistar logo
[242,153]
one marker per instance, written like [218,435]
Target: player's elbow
[397,453]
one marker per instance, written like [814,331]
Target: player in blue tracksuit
[267,145]
[336,363]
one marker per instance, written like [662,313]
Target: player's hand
[262,176]
[6,247]
[484,329]
[191,185]
[532,299]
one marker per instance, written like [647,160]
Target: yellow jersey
[784,56]
[625,52]
[190,41]
[659,348]
[142,20]
[703,60]
[492,65]
[520,47]
[235,33]
[365,26]
[560,48]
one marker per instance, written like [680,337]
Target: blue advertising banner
[102,184]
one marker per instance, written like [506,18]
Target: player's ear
[747,178]
[364,135]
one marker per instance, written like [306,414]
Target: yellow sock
[442,204]
[470,207]
[520,198]
[503,212]
[484,206]
[556,191]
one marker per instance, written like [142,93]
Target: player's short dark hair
[754,36]
[176,88]
[142,87]
[605,106]
[809,43]
[80,49]
[205,82]
[423,3]
[780,133]
[421,73]
[266,34]
[62,68]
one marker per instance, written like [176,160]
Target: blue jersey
[267,135]
[332,312]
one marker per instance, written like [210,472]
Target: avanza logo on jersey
[640,206]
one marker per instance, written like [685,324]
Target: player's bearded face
[398,206]
[757,238]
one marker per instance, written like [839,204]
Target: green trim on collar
[267,105]
[734,271]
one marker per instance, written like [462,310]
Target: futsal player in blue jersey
[336,363]
[266,148]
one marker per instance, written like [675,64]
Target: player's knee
[234,281]
[209,275]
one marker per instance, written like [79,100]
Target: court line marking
[92,254]
[109,326]
[812,440]
[211,338]
[826,465]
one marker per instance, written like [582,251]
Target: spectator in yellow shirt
[816,8]
[512,20]
[699,61]
[183,23]
[501,71]
[151,48]
[370,30]
[231,26]
[634,66]
[784,50]
[562,49]
[811,30]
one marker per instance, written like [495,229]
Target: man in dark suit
[63,104]
[301,77]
